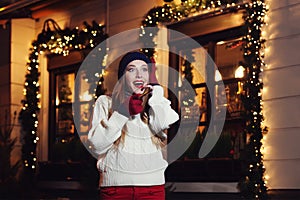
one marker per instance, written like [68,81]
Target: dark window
[222,42]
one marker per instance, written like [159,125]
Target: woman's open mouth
[138,84]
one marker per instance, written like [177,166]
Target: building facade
[219,35]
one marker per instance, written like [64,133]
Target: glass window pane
[84,87]
[65,88]
[228,57]
[85,102]
[198,59]
[201,101]
[64,99]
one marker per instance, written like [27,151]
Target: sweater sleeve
[105,130]
[161,113]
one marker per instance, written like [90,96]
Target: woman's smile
[138,83]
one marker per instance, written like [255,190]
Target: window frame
[233,28]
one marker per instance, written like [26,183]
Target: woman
[127,133]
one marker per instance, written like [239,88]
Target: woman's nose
[138,73]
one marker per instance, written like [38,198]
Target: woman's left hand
[135,104]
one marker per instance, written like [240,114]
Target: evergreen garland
[253,184]
[171,12]
[53,40]
[28,114]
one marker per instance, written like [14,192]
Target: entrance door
[65,141]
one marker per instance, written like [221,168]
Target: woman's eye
[130,70]
[145,69]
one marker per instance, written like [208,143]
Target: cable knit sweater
[137,161]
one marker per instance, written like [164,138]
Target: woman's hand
[135,104]
[132,106]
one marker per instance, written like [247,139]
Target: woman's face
[137,75]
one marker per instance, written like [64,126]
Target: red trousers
[133,192]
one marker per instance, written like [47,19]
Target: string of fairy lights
[171,12]
[253,185]
[51,40]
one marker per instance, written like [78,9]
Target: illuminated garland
[171,12]
[253,184]
[56,41]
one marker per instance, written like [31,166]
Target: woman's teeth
[138,84]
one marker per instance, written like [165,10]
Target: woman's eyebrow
[136,66]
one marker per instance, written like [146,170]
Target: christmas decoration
[51,40]
[253,184]
[172,12]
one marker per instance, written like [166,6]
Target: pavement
[93,195]
[59,193]
[77,195]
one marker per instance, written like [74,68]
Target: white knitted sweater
[137,161]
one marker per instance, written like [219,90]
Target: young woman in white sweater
[127,133]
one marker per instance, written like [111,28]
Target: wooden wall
[282,94]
